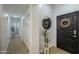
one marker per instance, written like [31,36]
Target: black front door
[67,35]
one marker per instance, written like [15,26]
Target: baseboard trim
[51,44]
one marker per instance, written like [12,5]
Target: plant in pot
[46,25]
[46,48]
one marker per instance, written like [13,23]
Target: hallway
[17,46]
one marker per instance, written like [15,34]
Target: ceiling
[15,9]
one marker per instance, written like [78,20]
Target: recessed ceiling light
[15,16]
[40,5]
[6,15]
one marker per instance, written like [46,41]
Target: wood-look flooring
[55,50]
[17,46]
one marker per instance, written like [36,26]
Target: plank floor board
[17,46]
[55,50]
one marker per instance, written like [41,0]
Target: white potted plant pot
[46,49]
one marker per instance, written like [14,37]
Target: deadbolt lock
[75,32]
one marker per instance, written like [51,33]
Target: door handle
[75,32]
[74,35]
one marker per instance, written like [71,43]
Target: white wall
[25,31]
[34,29]
[46,10]
[0,23]
[37,13]
[4,39]
[4,33]
[1,9]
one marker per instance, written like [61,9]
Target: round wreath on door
[65,23]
